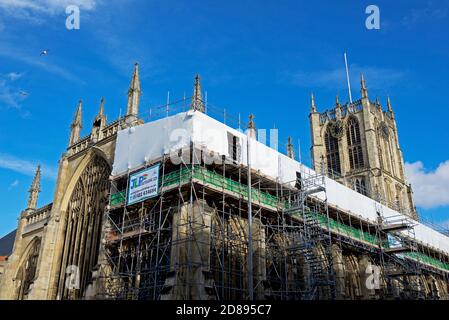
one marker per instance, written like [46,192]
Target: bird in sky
[23,93]
[44,52]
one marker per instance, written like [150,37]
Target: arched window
[83,230]
[354,144]
[332,154]
[360,186]
[27,271]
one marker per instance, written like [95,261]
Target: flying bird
[44,53]
[23,93]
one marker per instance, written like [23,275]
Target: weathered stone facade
[357,144]
[68,236]
[52,239]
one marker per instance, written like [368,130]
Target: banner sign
[143,185]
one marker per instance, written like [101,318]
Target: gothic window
[83,229]
[332,153]
[354,144]
[234,147]
[27,272]
[388,195]
[360,186]
[398,198]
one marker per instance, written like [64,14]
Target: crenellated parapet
[107,132]
[357,143]
[36,219]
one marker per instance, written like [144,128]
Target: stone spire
[34,189]
[364,90]
[290,150]
[134,92]
[75,128]
[252,127]
[197,100]
[101,109]
[337,101]
[312,104]
[337,107]
[99,123]
[390,108]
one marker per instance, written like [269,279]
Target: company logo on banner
[143,184]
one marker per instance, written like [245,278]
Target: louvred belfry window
[354,144]
[332,154]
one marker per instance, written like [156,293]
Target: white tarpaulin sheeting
[152,140]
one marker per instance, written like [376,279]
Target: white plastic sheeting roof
[152,140]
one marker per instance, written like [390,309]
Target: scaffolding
[191,240]
[405,264]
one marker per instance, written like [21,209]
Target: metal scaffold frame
[192,240]
[148,245]
[401,260]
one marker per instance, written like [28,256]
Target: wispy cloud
[431,188]
[335,79]
[13,184]
[33,9]
[13,76]
[25,167]
[37,61]
[10,95]
[430,13]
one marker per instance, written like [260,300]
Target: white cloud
[425,14]
[36,61]
[25,167]
[46,6]
[14,184]
[9,96]
[36,11]
[335,79]
[13,76]
[431,188]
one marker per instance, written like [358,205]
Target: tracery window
[360,186]
[332,153]
[83,229]
[27,271]
[354,144]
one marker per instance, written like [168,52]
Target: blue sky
[261,57]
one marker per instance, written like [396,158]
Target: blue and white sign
[143,185]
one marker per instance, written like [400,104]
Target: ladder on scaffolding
[314,244]
[396,240]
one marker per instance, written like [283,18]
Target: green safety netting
[185,174]
[117,198]
[342,228]
[427,260]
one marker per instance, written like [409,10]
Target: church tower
[357,144]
